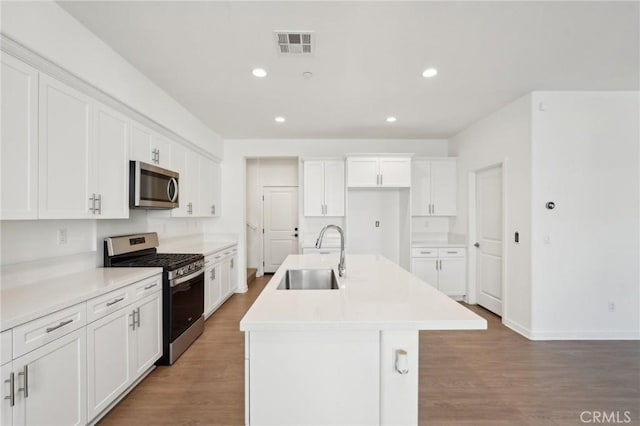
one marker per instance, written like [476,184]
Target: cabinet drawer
[451,252]
[39,332]
[146,287]
[424,252]
[107,303]
[6,347]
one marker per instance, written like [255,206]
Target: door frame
[472,288]
[244,235]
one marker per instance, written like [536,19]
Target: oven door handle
[178,281]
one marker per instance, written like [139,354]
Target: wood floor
[493,377]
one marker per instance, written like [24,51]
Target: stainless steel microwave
[152,187]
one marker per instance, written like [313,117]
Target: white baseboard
[570,334]
[518,328]
[585,335]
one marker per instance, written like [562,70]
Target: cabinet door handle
[232,263]
[92,209]
[113,302]
[381,176]
[99,201]
[151,285]
[62,324]
[137,312]
[132,315]
[12,392]
[440,264]
[25,389]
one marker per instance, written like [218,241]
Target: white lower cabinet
[50,383]
[108,359]
[8,394]
[121,347]
[220,278]
[442,268]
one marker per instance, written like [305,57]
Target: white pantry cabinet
[19,138]
[389,172]
[150,147]
[50,383]
[67,179]
[324,190]
[433,187]
[442,268]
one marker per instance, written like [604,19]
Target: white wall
[260,173]
[504,136]
[586,160]
[233,170]
[49,30]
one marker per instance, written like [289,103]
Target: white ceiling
[368,61]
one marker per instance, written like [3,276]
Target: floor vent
[295,42]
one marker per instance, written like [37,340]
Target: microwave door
[154,187]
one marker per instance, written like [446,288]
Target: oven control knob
[180,272]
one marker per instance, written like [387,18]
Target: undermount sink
[309,279]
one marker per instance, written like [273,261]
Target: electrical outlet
[612,306]
[62,236]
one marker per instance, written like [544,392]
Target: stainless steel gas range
[183,287]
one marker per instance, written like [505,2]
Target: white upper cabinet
[433,187]
[192,182]
[141,149]
[395,172]
[334,188]
[112,138]
[67,181]
[179,164]
[19,118]
[390,172]
[217,189]
[363,171]
[161,146]
[209,203]
[150,147]
[324,188]
[313,188]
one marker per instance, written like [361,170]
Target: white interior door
[489,238]
[280,225]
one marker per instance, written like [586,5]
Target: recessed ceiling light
[259,72]
[430,72]
[280,120]
[391,119]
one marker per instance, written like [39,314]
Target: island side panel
[399,363]
[314,378]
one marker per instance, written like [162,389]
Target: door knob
[295,229]
[476,245]
[295,235]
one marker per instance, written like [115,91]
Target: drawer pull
[452,252]
[324,252]
[113,302]
[62,324]
[425,252]
[151,286]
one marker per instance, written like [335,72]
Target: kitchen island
[347,355]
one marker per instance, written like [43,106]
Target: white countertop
[204,247]
[376,294]
[25,303]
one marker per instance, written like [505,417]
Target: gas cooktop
[168,261]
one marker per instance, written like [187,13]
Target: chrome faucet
[342,269]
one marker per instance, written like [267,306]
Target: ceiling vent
[295,42]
